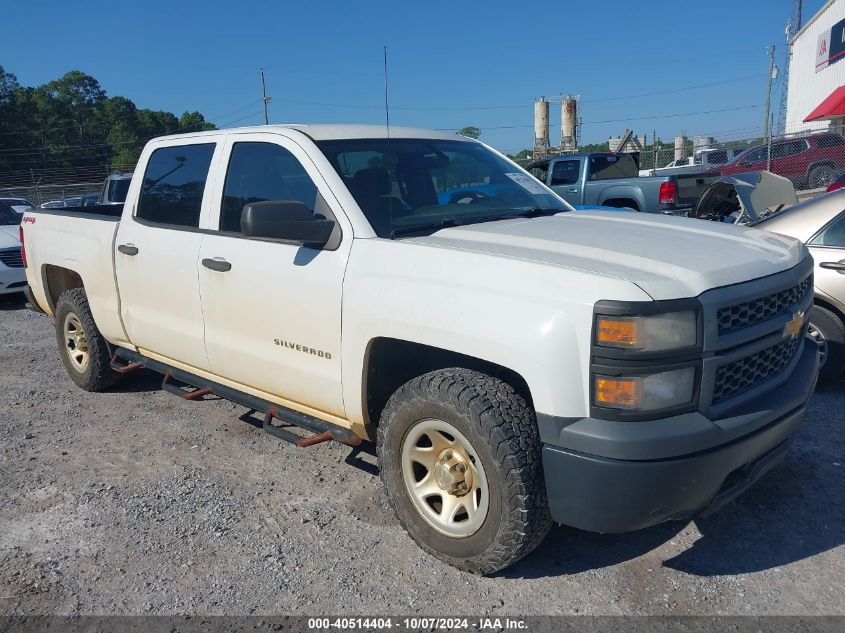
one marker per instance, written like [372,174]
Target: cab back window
[174,183]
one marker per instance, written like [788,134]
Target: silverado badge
[794,327]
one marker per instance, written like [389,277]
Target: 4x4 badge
[794,327]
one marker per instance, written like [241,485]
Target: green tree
[194,122]
[470,131]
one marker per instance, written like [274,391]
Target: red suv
[810,162]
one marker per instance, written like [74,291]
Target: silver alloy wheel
[818,336]
[445,478]
[76,343]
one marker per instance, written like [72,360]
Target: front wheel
[829,334]
[459,455]
[83,349]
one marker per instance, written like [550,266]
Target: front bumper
[11,279]
[607,476]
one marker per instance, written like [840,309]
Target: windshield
[11,215]
[401,184]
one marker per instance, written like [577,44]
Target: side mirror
[285,220]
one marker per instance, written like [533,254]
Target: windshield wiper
[448,221]
[537,212]
[442,223]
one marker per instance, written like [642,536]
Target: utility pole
[265,98]
[769,89]
[792,27]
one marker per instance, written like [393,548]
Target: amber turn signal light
[619,332]
[620,393]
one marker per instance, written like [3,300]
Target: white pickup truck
[515,362]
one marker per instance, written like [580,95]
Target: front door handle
[837,266]
[128,249]
[220,265]
[572,190]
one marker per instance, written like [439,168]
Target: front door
[272,319]
[564,179]
[156,253]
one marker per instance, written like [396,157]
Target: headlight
[655,333]
[650,392]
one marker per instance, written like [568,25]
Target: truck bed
[76,241]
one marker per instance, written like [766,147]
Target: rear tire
[829,332]
[84,351]
[497,511]
[821,176]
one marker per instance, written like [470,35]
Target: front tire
[84,351]
[829,332]
[459,455]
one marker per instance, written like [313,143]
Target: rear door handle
[220,265]
[128,249]
[837,266]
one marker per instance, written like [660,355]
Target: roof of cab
[334,131]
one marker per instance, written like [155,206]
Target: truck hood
[668,257]
[9,236]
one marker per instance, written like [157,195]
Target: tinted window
[829,140]
[718,157]
[603,167]
[174,183]
[540,171]
[755,155]
[259,172]
[833,235]
[781,150]
[565,172]
[118,189]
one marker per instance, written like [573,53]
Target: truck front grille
[11,257]
[748,372]
[748,313]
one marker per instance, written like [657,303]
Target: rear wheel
[829,333]
[821,176]
[459,455]
[83,349]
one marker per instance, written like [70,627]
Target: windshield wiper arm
[442,223]
[448,221]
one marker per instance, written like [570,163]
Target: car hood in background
[759,192]
[668,257]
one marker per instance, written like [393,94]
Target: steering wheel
[466,197]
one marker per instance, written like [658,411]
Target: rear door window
[174,184]
[833,234]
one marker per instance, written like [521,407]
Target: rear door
[157,250]
[272,319]
[828,250]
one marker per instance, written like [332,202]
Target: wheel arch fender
[623,192]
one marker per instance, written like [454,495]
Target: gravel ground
[134,501]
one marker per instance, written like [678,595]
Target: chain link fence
[58,186]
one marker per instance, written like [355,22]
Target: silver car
[820,223]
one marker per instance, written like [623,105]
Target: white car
[516,363]
[12,273]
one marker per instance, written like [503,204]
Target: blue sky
[451,64]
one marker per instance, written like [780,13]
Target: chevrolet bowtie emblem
[795,326]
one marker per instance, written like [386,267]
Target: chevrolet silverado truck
[515,363]
[613,180]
